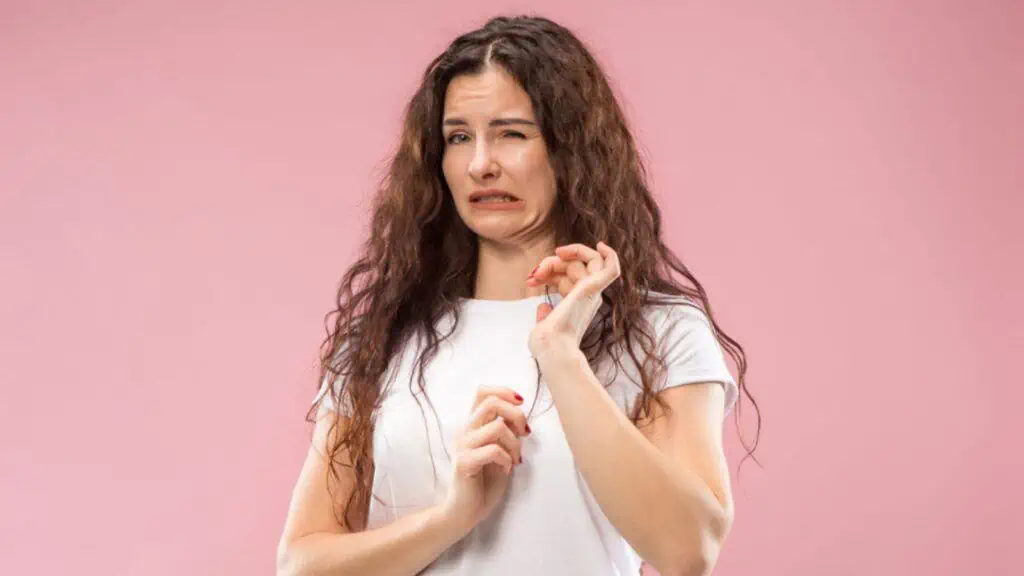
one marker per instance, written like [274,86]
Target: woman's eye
[459,137]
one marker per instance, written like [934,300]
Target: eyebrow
[495,122]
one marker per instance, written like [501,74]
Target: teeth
[496,199]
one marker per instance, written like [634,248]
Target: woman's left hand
[580,274]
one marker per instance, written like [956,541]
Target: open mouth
[494,199]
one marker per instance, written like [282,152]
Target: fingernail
[518,397]
[520,459]
[528,431]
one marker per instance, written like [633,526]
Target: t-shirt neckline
[500,304]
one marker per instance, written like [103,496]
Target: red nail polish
[528,431]
[518,397]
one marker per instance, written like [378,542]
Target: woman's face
[492,143]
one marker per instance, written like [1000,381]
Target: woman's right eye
[453,139]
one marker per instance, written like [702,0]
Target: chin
[495,236]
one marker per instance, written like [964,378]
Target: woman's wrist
[559,358]
[547,348]
[446,519]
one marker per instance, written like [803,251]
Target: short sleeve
[692,353]
[324,393]
[328,401]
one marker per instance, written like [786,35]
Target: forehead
[492,92]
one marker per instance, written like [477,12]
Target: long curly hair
[420,257]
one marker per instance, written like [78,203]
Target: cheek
[530,164]
[542,176]
[450,168]
[524,160]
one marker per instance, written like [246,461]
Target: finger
[493,407]
[565,285]
[556,281]
[507,394]
[472,462]
[560,282]
[550,265]
[496,432]
[550,273]
[584,253]
[612,268]
[576,271]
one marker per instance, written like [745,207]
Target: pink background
[183,184]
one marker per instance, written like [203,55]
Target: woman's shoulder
[663,302]
[663,309]
[655,298]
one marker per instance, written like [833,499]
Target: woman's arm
[403,547]
[313,542]
[666,489]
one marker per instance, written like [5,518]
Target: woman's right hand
[486,451]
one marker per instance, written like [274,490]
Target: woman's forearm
[401,548]
[664,511]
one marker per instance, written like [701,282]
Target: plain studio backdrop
[182,185]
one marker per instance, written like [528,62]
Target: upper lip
[491,192]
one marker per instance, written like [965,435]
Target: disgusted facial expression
[496,161]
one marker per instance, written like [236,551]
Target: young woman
[514,383]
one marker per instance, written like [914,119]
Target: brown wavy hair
[420,257]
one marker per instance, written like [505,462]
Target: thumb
[543,310]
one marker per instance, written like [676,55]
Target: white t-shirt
[549,522]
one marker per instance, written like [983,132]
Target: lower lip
[497,205]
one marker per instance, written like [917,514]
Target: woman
[502,391]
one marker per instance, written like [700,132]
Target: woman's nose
[483,164]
